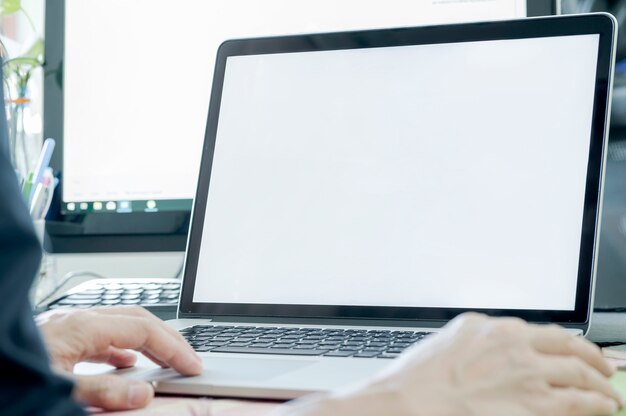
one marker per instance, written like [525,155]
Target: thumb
[112,392]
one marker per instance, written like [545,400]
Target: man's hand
[104,335]
[485,367]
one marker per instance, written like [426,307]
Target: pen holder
[45,280]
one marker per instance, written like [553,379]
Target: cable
[179,271]
[67,278]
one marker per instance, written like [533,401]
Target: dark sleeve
[27,384]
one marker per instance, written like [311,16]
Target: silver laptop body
[390,180]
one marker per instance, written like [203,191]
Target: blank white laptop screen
[448,175]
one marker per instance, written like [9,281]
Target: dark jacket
[27,384]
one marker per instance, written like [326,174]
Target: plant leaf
[36,50]
[19,64]
[10,6]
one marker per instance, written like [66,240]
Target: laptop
[358,190]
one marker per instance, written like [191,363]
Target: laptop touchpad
[231,369]
[250,369]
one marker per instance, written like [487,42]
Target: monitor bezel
[601,24]
[164,231]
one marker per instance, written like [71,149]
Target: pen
[42,164]
[39,198]
[42,198]
[50,181]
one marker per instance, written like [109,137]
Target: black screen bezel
[526,28]
[164,231]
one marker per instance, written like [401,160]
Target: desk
[217,407]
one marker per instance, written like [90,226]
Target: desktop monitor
[126,95]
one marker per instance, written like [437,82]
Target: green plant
[20,68]
[16,74]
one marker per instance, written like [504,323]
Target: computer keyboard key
[305,346]
[202,337]
[110,302]
[261,345]
[110,296]
[130,296]
[149,296]
[278,345]
[171,286]
[239,344]
[366,354]
[339,354]
[279,351]
[388,355]
[203,348]
[216,343]
[379,349]
[170,295]
[378,344]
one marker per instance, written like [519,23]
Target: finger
[155,360]
[573,402]
[571,371]
[555,340]
[133,310]
[141,334]
[142,312]
[116,357]
[112,392]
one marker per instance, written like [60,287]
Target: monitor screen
[136,77]
[397,167]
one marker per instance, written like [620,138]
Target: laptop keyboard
[360,343]
[109,292]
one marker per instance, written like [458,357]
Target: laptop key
[366,354]
[339,354]
[261,345]
[204,348]
[388,355]
[278,351]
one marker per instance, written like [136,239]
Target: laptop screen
[448,175]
